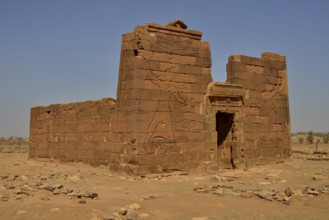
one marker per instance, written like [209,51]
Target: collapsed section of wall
[72,132]
[266,105]
[164,73]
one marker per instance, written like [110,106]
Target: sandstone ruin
[169,115]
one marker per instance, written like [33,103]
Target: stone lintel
[225,89]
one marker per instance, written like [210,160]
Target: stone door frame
[227,99]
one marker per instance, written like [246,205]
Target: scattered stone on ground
[284,196]
[19,187]
[310,156]
[130,212]
[298,184]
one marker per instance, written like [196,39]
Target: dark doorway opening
[224,123]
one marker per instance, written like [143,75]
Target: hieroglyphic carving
[164,43]
[161,129]
[180,101]
[274,92]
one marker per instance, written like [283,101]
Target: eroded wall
[266,105]
[164,73]
[168,114]
[72,132]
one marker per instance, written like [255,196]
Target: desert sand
[297,188]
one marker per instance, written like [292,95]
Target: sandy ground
[295,189]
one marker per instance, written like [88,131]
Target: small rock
[324,190]
[49,188]
[25,179]
[286,198]
[201,189]
[247,194]
[11,186]
[278,197]
[116,214]
[27,187]
[21,192]
[137,178]
[3,177]
[81,201]
[57,191]
[11,178]
[73,194]
[42,186]
[214,179]
[298,192]
[264,183]
[199,218]
[269,198]
[45,198]
[263,194]
[281,193]
[132,215]
[4,196]
[67,191]
[123,211]
[180,173]
[74,179]
[218,191]
[81,194]
[288,191]
[18,191]
[312,192]
[226,178]
[37,184]
[57,186]
[287,202]
[150,197]
[231,192]
[20,212]
[54,209]
[93,195]
[135,206]
[19,197]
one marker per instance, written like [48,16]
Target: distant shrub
[310,137]
[326,138]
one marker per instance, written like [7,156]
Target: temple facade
[169,114]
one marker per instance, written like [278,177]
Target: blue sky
[68,50]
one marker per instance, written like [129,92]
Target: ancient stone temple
[169,114]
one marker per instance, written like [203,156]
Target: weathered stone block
[272,152]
